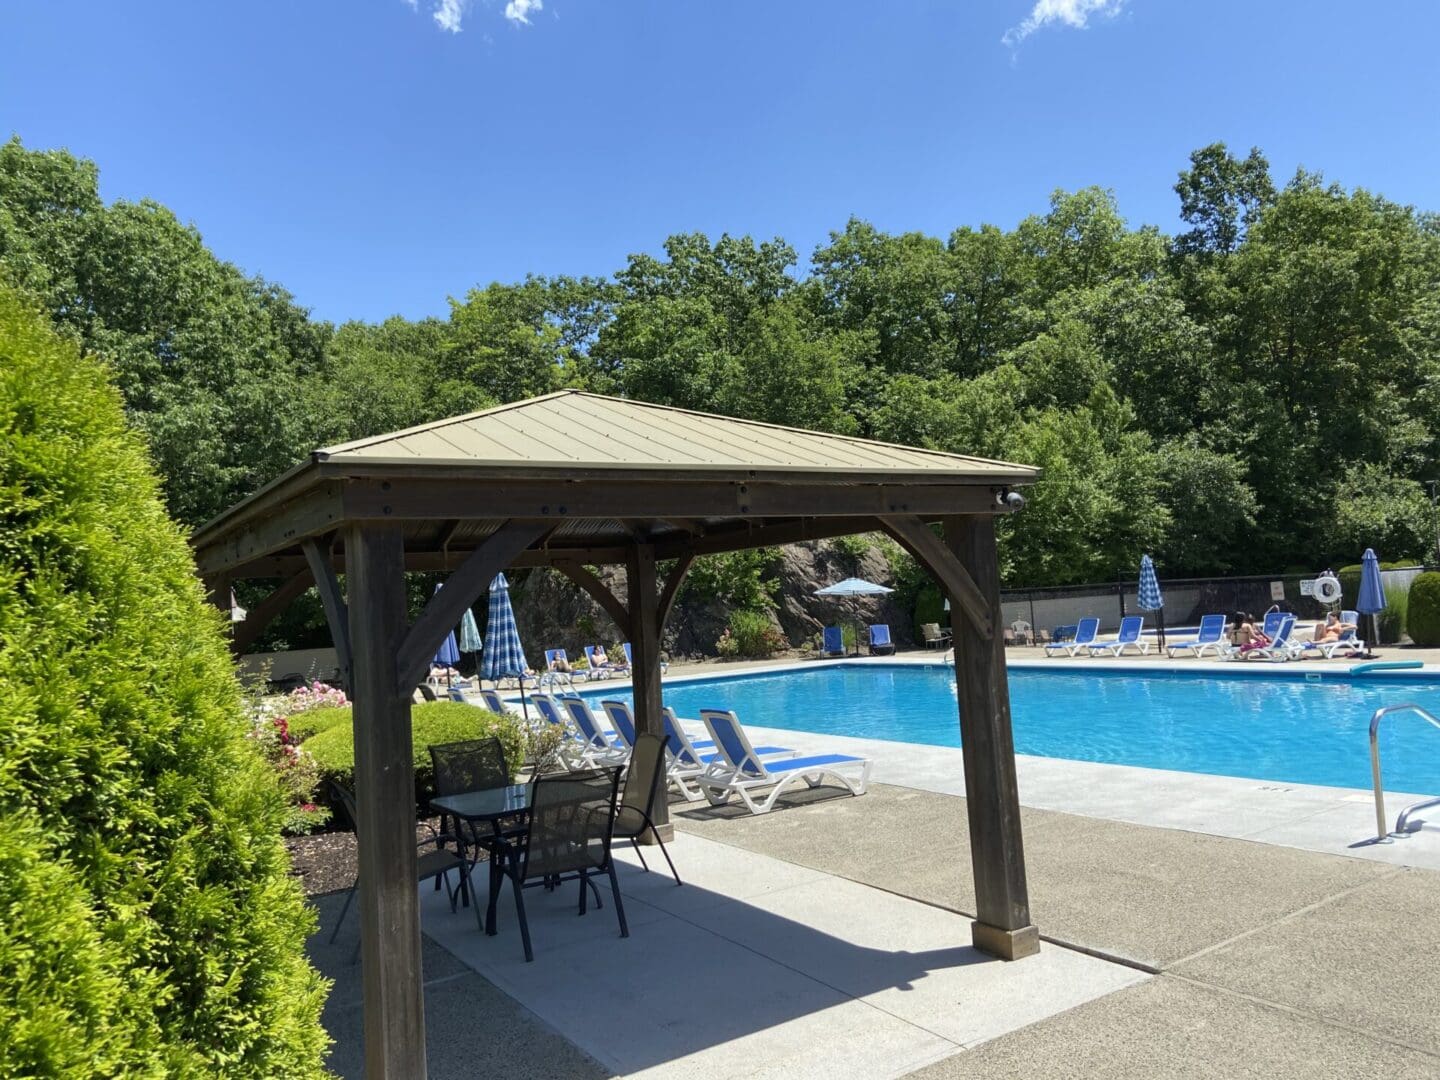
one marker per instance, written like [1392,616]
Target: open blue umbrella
[1150,598]
[1372,595]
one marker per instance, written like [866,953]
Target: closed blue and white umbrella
[504,658]
[1150,598]
[1371,600]
[469,633]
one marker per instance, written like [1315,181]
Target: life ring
[1327,589]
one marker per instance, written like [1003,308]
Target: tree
[1221,197]
[152,927]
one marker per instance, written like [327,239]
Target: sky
[376,157]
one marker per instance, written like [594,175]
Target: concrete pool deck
[830,937]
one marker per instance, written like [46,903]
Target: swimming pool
[1281,727]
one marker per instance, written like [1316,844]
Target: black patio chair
[567,838]
[644,781]
[470,765]
[436,864]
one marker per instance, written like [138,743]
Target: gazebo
[573,480]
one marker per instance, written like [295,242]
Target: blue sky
[376,162]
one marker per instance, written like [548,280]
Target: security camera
[1009,500]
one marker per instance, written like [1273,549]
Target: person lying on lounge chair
[1331,630]
[1250,636]
[1245,631]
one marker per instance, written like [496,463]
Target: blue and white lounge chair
[880,643]
[1281,647]
[1127,638]
[684,759]
[1085,631]
[1273,618]
[1347,642]
[832,641]
[554,656]
[1211,638]
[493,702]
[741,770]
[630,661]
[598,664]
[600,747]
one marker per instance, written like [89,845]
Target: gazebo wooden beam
[261,615]
[1002,924]
[930,551]
[672,589]
[598,591]
[460,590]
[333,601]
[427,500]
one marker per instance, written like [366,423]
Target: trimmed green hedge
[432,722]
[148,922]
[1422,620]
[314,721]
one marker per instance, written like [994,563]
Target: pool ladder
[1402,823]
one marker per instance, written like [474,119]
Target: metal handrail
[1400,822]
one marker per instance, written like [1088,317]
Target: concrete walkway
[760,967]
[1272,962]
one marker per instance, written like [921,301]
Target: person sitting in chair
[1333,629]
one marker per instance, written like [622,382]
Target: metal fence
[1186,599]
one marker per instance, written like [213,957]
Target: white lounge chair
[741,770]
[1347,642]
[1127,638]
[601,747]
[1280,647]
[1211,638]
[1085,631]
[685,758]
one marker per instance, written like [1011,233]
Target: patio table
[491,805]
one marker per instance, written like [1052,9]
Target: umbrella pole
[1160,627]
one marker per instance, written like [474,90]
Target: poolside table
[492,805]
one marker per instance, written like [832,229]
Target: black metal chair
[460,767]
[644,781]
[572,819]
[436,864]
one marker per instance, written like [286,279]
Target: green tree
[152,927]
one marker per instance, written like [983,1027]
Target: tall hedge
[148,925]
[1422,620]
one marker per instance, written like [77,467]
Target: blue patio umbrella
[448,655]
[504,657]
[1150,598]
[854,587]
[1372,596]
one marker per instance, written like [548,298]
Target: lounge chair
[1347,642]
[1085,631]
[1128,637]
[572,751]
[1280,647]
[553,657]
[494,702]
[880,643]
[601,748]
[1211,637]
[684,759]
[630,661]
[742,771]
[599,666]
[1023,631]
[832,641]
[934,636]
[1273,618]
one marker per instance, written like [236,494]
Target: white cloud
[448,14]
[1072,13]
[518,11]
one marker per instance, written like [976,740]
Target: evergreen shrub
[1422,619]
[148,922]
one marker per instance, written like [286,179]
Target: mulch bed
[325,861]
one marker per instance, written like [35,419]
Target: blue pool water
[1266,728]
